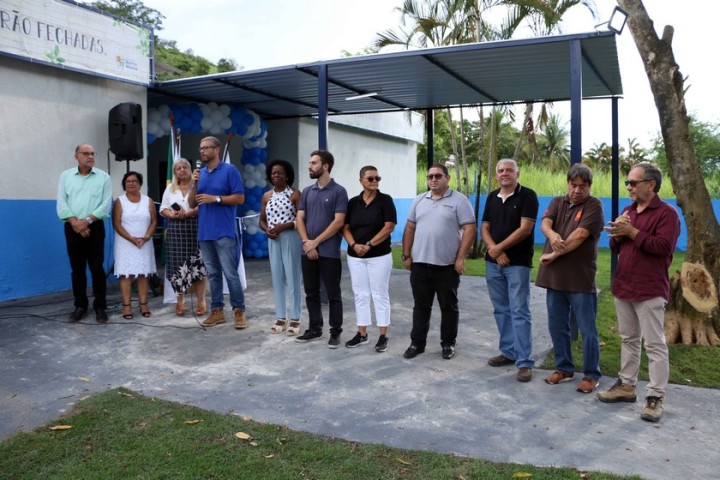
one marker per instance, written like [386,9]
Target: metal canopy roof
[536,69]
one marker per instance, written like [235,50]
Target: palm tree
[555,146]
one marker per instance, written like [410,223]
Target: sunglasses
[202,149]
[633,183]
[373,179]
[435,176]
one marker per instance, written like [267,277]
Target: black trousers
[426,282]
[330,270]
[85,252]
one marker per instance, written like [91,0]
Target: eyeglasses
[373,179]
[202,149]
[87,154]
[633,183]
[435,176]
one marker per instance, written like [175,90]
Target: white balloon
[251,230]
[250,213]
[262,143]
[257,175]
[249,183]
[152,128]
[249,167]
[225,123]
[206,123]
[215,130]
[205,109]
[225,109]
[154,115]
[261,184]
[165,124]
[213,105]
[216,116]
[164,110]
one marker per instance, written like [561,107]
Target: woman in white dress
[134,221]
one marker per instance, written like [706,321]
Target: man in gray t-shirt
[438,234]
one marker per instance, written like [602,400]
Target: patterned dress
[183,262]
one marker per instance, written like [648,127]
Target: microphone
[198,166]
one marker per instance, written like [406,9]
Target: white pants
[370,278]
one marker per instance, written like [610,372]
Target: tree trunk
[667,85]
[465,180]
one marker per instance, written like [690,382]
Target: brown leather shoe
[240,321]
[216,318]
[500,360]
[559,377]
[524,374]
[587,385]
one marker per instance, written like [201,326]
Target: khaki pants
[638,322]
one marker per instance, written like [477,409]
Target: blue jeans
[584,307]
[509,289]
[221,257]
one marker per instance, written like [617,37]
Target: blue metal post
[430,131]
[615,201]
[575,102]
[323,107]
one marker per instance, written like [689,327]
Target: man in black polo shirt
[508,224]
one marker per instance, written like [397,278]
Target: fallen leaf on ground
[522,475]
[243,436]
[125,394]
[269,456]
[84,379]
[191,422]
[404,462]
[254,444]
[61,427]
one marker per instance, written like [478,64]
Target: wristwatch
[404,257]
[89,220]
[218,200]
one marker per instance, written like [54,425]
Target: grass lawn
[121,434]
[689,365]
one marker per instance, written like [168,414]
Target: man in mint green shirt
[83,202]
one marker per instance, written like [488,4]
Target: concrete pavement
[459,406]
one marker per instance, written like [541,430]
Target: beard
[315,174]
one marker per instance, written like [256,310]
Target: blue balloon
[150,138]
[258,253]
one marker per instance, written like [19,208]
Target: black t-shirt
[367,220]
[504,218]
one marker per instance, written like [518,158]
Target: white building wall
[45,112]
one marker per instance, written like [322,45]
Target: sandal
[294,328]
[127,316]
[180,306]
[201,309]
[279,326]
[144,313]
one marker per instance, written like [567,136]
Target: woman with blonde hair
[184,267]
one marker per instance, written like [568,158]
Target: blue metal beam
[430,130]
[615,201]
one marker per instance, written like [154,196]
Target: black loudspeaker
[125,131]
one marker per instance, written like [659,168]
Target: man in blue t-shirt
[218,188]
[320,217]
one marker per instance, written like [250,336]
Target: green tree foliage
[706,140]
[170,61]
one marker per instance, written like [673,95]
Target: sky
[272,33]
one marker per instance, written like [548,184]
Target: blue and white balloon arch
[247,127]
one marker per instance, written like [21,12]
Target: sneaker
[381,344]
[524,374]
[448,351]
[413,351]
[620,392]
[308,336]
[358,339]
[334,341]
[587,385]
[559,377]
[653,409]
[500,361]
[217,316]
[240,320]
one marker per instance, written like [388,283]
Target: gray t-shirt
[320,206]
[438,226]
